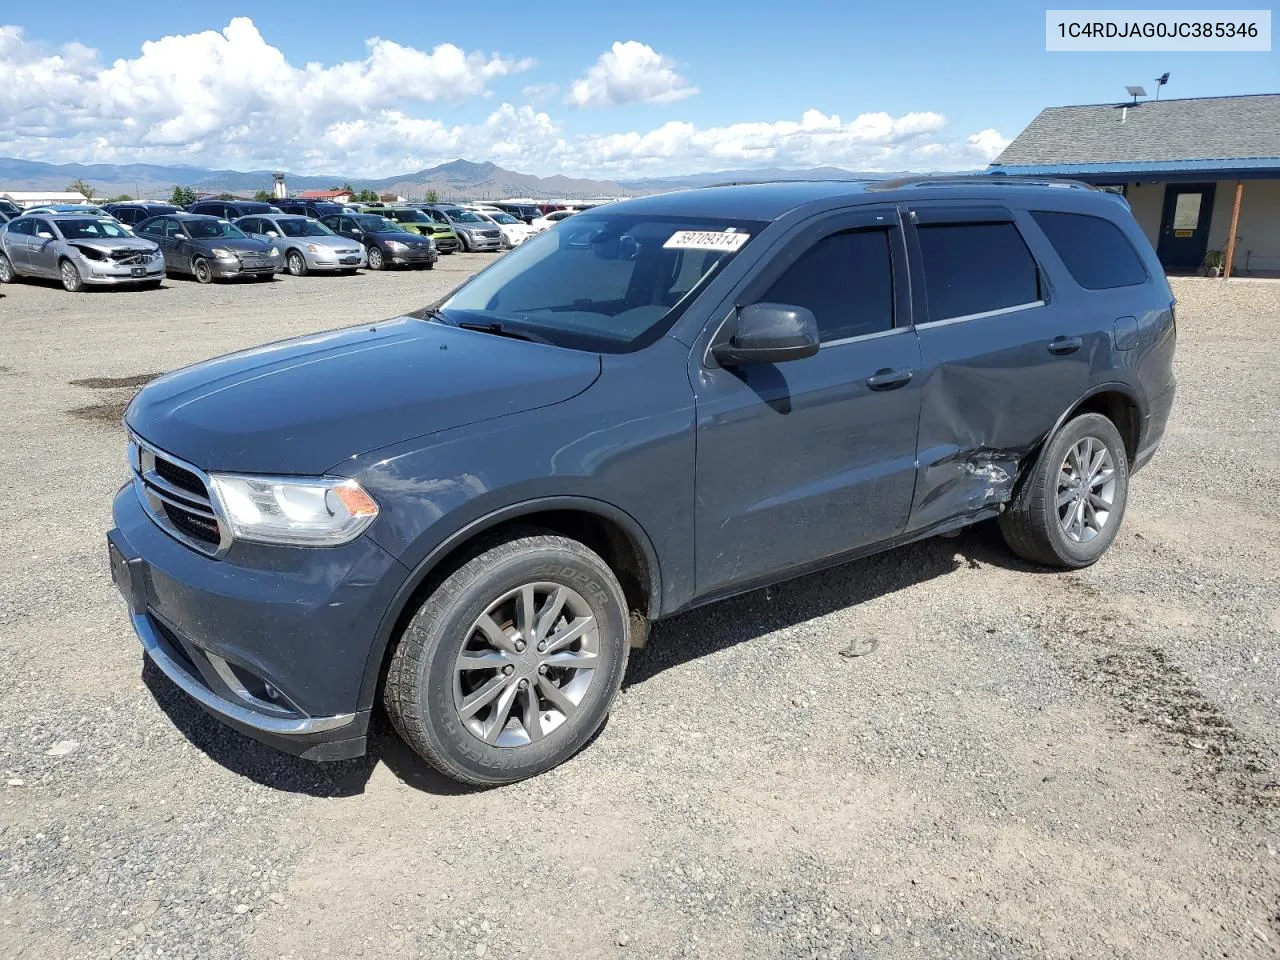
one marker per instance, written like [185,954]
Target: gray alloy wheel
[297,264]
[462,243]
[1086,490]
[6,270]
[71,280]
[203,272]
[1070,503]
[376,260]
[526,664]
[510,665]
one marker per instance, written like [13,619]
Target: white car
[550,220]
[514,231]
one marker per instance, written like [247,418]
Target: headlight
[275,251]
[396,245]
[222,253]
[303,511]
[312,248]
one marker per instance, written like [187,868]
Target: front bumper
[330,260]
[272,641]
[484,244]
[109,274]
[412,258]
[446,244]
[225,269]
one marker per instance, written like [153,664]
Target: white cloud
[630,72]
[538,92]
[230,99]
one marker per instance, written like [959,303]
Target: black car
[470,513]
[386,244]
[527,212]
[231,209]
[316,209]
[210,248]
[10,209]
[134,213]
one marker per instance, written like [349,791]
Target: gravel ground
[1031,764]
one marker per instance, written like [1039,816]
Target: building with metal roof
[1202,175]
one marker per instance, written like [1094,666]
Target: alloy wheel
[1086,490]
[297,266]
[375,259]
[70,276]
[202,271]
[6,269]
[526,664]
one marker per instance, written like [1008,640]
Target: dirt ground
[1031,764]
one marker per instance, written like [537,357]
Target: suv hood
[303,406]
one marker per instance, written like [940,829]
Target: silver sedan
[305,244]
[78,249]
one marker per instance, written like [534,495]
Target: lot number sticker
[706,240]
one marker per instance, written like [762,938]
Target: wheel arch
[606,529]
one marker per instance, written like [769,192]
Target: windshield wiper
[501,330]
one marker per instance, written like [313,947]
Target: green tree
[263,196]
[366,196]
[227,196]
[79,186]
[182,196]
[432,197]
[122,198]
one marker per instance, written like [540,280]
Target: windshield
[607,283]
[248,209]
[502,218]
[371,224]
[91,229]
[211,229]
[409,216]
[302,227]
[458,215]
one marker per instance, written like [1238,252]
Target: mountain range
[458,179]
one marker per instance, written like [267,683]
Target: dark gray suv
[472,512]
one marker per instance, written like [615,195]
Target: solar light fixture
[1136,92]
[1160,82]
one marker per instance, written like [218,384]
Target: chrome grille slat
[194,514]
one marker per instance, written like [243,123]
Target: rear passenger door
[42,249]
[1003,354]
[801,461]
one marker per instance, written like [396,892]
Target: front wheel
[297,264]
[462,243]
[203,272]
[72,282]
[511,664]
[1069,510]
[376,261]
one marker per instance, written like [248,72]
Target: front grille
[491,234]
[130,257]
[177,498]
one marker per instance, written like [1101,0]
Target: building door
[1184,225]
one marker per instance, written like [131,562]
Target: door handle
[887,379]
[1061,346]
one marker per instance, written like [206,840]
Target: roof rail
[993,178]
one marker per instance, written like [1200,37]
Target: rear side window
[976,268]
[846,280]
[1096,252]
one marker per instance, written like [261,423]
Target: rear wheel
[376,260]
[7,274]
[203,272]
[511,664]
[1069,510]
[72,282]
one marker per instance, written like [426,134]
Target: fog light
[271,692]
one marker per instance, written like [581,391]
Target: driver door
[803,461]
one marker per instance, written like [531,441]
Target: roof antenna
[1160,82]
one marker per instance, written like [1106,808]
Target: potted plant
[1213,261]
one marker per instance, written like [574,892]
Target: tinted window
[21,226]
[152,228]
[41,226]
[976,267]
[1096,252]
[846,280]
[130,215]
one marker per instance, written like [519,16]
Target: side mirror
[272,234]
[770,333]
[45,235]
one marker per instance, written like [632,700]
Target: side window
[125,215]
[21,226]
[1096,252]
[42,226]
[976,268]
[846,279]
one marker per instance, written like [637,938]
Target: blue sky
[770,81]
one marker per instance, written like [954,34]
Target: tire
[297,264]
[1054,519]
[462,244]
[428,687]
[376,259]
[7,273]
[72,282]
[201,270]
